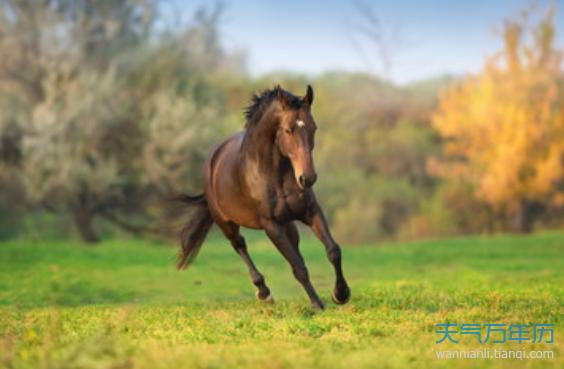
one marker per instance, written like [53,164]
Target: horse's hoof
[341,298]
[317,307]
[268,299]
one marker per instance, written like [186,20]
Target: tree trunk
[526,216]
[84,224]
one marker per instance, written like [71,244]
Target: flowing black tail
[195,230]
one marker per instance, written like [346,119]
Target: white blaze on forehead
[300,123]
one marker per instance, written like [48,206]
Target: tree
[103,115]
[503,129]
[68,119]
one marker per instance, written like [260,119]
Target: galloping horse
[262,178]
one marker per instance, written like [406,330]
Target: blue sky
[424,38]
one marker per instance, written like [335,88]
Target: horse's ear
[308,98]
[281,96]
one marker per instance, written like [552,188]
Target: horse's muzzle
[307,181]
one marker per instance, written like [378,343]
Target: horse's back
[222,186]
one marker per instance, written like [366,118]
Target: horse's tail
[194,232]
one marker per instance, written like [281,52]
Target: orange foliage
[504,128]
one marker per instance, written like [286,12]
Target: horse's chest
[290,206]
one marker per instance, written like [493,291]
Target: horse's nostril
[307,181]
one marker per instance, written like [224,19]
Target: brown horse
[262,178]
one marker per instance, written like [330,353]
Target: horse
[262,178]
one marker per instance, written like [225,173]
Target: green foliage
[102,122]
[372,147]
[123,304]
[117,117]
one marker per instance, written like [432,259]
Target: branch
[132,228]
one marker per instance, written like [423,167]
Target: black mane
[261,102]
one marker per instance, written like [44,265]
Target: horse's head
[295,136]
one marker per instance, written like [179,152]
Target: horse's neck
[260,152]
[257,149]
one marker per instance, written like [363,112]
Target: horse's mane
[261,102]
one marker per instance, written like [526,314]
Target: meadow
[123,305]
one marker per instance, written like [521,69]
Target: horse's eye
[288,131]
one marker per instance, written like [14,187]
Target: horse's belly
[235,209]
[245,219]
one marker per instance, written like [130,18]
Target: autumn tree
[503,129]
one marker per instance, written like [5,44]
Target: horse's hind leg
[231,231]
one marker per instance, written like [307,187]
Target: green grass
[122,304]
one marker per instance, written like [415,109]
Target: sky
[422,39]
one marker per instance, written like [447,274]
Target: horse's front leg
[316,220]
[278,235]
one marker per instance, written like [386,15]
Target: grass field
[122,304]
